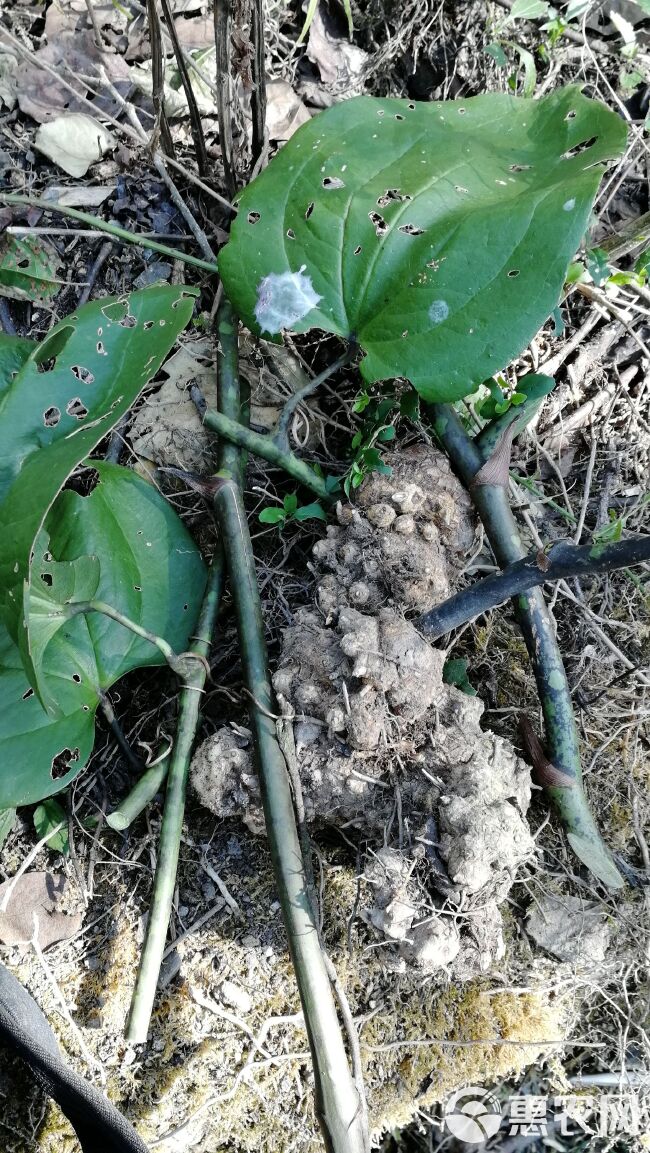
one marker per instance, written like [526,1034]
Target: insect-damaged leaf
[437,235]
[69,392]
[150,570]
[28,269]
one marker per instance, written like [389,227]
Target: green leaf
[290,503]
[70,391]
[151,571]
[454,672]
[438,235]
[528,10]
[498,55]
[28,269]
[272,515]
[7,822]
[13,354]
[314,511]
[47,817]
[597,262]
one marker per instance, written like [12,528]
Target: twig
[562,560]
[224,93]
[104,226]
[281,437]
[133,759]
[161,127]
[96,267]
[172,822]
[31,856]
[195,117]
[563,780]
[258,95]
[587,488]
[188,217]
[337,1100]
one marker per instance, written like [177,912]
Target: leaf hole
[520,167]
[51,416]
[185,608]
[128,321]
[571,114]
[513,272]
[46,577]
[577,149]
[29,693]
[100,348]
[62,762]
[162,322]
[76,408]
[398,116]
[47,352]
[332,182]
[24,263]
[291,234]
[83,481]
[357,250]
[76,678]
[253,217]
[381,112]
[459,188]
[310,209]
[410,229]
[82,374]
[381,228]
[411,106]
[391,194]
[462,111]
[86,708]
[147,325]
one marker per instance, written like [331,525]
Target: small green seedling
[290,510]
[51,822]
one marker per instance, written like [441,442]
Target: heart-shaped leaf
[150,570]
[69,392]
[437,235]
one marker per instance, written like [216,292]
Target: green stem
[265,447]
[172,821]
[142,794]
[177,661]
[537,626]
[337,1100]
[104,226]
[281,437]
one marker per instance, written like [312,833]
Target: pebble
[235,996]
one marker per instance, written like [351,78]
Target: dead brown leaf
[285,111]
[43,97]
[35,896]
[341,65]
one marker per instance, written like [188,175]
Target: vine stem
[337,1102]
[179,662]
[562,560]
[562,775]
[105,226]
[266,447]
[172,821]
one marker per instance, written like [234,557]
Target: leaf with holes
[436,235]
[148,567]
[68,393]
[28,269]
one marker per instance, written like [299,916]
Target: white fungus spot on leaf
[569,205]
[283,299]
[438,311]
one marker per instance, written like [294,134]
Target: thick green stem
[172,821]
[104,226]
[337,1100]
[179,662]
[563,778]
[142,794]
[264,446]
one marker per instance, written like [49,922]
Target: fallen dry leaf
[285,111]
[74,142]
[196,32]
[167,429]
[43,97]
[36,895]
[8,69]
[341,65]
[80,197]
